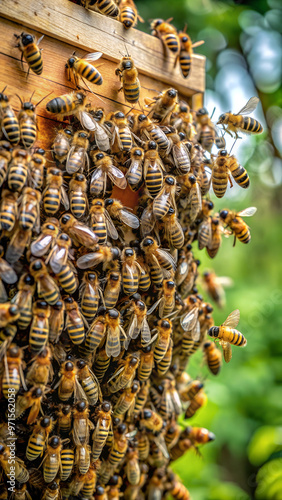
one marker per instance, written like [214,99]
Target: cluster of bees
[99,306]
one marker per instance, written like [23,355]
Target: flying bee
[36,169]
[227,331]
[214,286]
[138,322]
[89,383]
[79,233]
[104,168]
[13,376]
[128,15]
[213,357]
[83,68]
[167,33]
[199,435]
[17,245]
[68,104]
[180,153]
[186,52]
[128,75]
[77,155]
[134,174]
[30,52]
[21,473]
[74,321]
[163,105]
[77,195]
[41,368]
[47,288]
[113,331]
[38,438]
[39,329]
[54,193]
[46,240]
[165,199]
[9,122]
[224,166]
[236,224]
[130,271]
[235,123]
[205,227]
[149,130]
[167,296]
[18,170]
[60,253]
[125,373]
[164,333]
[29,213]
[117,211]
[101,222]
[89,294]
[31,399]
[61,144]
[102,428]
[112,288]
[173,230]
[158,260]
[103,255]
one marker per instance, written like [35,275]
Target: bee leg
[121,88]
[230,180]
[234,242]
[27,72]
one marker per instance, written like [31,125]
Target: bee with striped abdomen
[134,174]
[163,105]
[103,255]
[41,369]
[124,374]
[104,169]
[235,123]
[89,382]
[213,357]
[47,288]
[74,321]
[81,424]
[83,68]
[78,195]
[38,438]
[79,233]
[236,224]
[128,15]
[128,75]
[29,212]
[205,227]
[30,52]
[224,166]
[60,253]
[130,271]
[39,329]
[101,222]
[52,459]
[186,52]
[165,199]
[90,295]
[227,331]
[18,170]
[96,332]
[13,376]
[106,7]
[36,169]
[77,156]
[9,122]
[61,144]
[112,288]
[102,428]
[5,158]
[159,261]
[17,245]
[117,211]
[67,463]
[68,104]
[113,330]
[20,471]
[138,322]
[167,33]
[54,193]
[179,152]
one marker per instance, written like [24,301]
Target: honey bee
[83,68]
[134,174]
[173,229]
[13,376]
[151,421]
[227,332]
[21,473]
[41,368]
[113,329]
[180,153]
[18,170]
[31,399]
[95,122]
[68,384]
[214,286]
[149,130]
[104,169]
[89,382]
[74,321]
[67,462]
[89,294]
[28,123]
[102,362]
[167,296]
[165,199]
[113,488]
[158,260]
[106,7]
[130,271]
[82,458]
[153,170]
[36,169]
[5,158]
[45,241]
[9,123]
[61,144]
[68,104]
[112,288]
[164,333]
[128,75]
[96,332]
[52,459]
[56,321]
[163,106]
[235,123]
[18,243]
[64,419]
[223,167]
[215,240]
[213,357]
[60,253]
[132,468]
[186,52]
[126,400]
[177,490]
[138,322]
[206,132]
[194,198]
[7,274]
[236,224]
[117,211]
[199,435]
[77,195]
[104,254]
[29,48]
[90,479]
[29,213]
[77,155]
[54,193]
[8,313]
[103,425]
[101,222]
[205,228]
[167,33]
[81,424]
[46,287]
[79,233]
[125,373]
[39,329]
[196,403]
[38,438]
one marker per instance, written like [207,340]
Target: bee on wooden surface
[236,224]
[29,213]
[186,52]
[134,174]
[163,106]
[167,33]
[77,195]
[31,52]
[128,15]
[36,169]
[18,243]
[106,7]
[205,227]
[113,329]
[68,104]
[38,438]
[74,321]
[102,428]
[103,255]
[18,170]
[96,123]
[54,193]
[31,399]
[13,376]
[227,331]
[122,137]
[128,75]
[104,168]
[224,166]
[46,240]
[83,68]
[77,155]
[46,286]
[9,122]
[39,329]
[79,233]
[235,123]
[213,357]
[61,144]
[112,288]
[125,373]
[165,199]
[20,471]
[158,260]
[101,223]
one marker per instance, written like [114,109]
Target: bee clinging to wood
[128,75]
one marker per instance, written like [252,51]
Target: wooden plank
[91,31]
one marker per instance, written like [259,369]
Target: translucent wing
[129,219]
[57,258]
[87,121]
[65,199]
[233,319]
[224,281]
[145,332]
[85,235]
[3,293]
[188,321]
[147,222]
[89,260]
[76,157]
[117,177]
[153,307]
[93,56]
[205,233]
[196,197]
[7,273]
[133,330]
[110,226]
[247,212]
[113,342]
[196,332]
[98,172]
[227,350]
[165,256]
[249,107]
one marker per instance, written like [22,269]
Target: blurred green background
[244,53]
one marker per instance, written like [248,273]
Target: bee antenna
[4,89]
[213,112]
[31,96]
[232,146]
[44,98]
[185,28]
[19,99]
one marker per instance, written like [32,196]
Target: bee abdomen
[12,383]
[67,279]
[34,59]
[91,74]
[67,460]
[219,182]
[78,206]
[244,236]
[11,127]
[7,220]
[185,63]
[240,175]
[37,338]
[171,42]
[35,447]
[28,134]
[51,202]
[108,7]
[126,140]
[237,338]
[131,92]
[251,125]
[156,275]
[51,296]
[76,333]
[90,389]
[130,286]
[25,318]
[127,17]
[89,306]
[17,177]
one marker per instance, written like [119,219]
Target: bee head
[202,112]
[172,93]
[127,64]
[70,62]
[222,118]
[28,106]
[26,39]
[223,214]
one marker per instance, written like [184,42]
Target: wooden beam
[90,31]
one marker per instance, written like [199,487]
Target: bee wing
[87,121]
[89,260]
[79,154]
[164,255]
[153,307]
[196,332]
[176,401]
[98,172]
[7,273]
[3,293]
[161,201]
[196,207]
[85,234]
[110,226]
[205,228]
[224,281]
[133,329]
[249,107]
[188,321]
[233,319]
[135,166]
[65,199]
[147,222]
[117,177]
[93,56]
[40,246]
[79,392]
[227,351]
[117,373]
[57,259]
[145,332]
[161,444]
[113,342]
[129,219]
[247,212]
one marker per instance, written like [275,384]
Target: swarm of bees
[99,306]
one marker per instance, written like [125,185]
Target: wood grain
[90,31]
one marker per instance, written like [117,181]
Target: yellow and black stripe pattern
[67,461]
[239,173]
[108,8]
[251,125]
[31,53]
[67,279]
[185,60]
